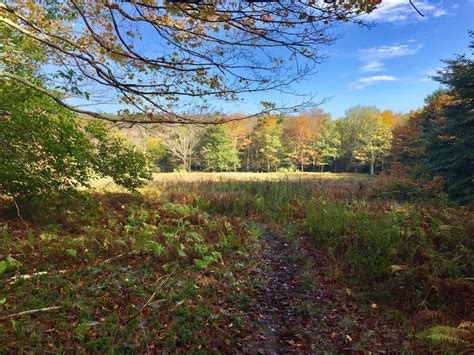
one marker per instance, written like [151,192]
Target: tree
[156,151]
[374,140]
[328,143]
[350,128]
[391,119]
[182,142]
[266,142]
[241,132]
[45,149]
[299,134]
[219,150]
[450,143]
[409,145]
[154,56]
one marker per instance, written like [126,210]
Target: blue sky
[388,65]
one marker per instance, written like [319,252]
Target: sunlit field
[209,261]
[160,179]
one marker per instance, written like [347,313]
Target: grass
[167,268]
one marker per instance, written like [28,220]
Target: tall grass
[411,257]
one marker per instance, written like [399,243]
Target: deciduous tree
[43,149]
[299,135]
[373,141]
[219,151]
[154,56]
[328,143]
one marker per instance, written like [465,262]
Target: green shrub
[44,148]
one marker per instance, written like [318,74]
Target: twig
[147,302]
[34,274]
[117,257]
[19,214]
[31,311]
[416,9]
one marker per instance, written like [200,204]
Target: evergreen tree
[450,143]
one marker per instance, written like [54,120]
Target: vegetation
[194,245]
[44,149]
[99,255]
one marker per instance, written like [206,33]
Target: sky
[388,65]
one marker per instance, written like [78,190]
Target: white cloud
[374,57]
[374,66]
[371,80]
[387,52]
[400,11]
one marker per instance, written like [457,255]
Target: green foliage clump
[44,148]
[220,152]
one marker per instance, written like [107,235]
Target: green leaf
[71,252]
[155,247]
[3,266]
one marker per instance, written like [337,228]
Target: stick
[147,302]
[29,276]
[31,311]
[19,214]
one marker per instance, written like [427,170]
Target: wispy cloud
[374,57]
[374,66]
[400,11]
[371,80]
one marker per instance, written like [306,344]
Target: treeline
[436,146]
[431,149]
[361,142]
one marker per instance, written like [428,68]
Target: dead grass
[159,179]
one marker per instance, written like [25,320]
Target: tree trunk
[248,159]
[372,167]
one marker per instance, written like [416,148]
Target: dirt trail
[300,309]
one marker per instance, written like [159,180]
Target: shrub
[44,148]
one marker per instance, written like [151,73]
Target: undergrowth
[413,257]
[167,269]
[123,273]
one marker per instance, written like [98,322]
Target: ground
[232,263]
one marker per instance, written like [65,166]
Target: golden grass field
[107,184]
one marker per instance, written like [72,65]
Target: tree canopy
[45,149]
[154,56]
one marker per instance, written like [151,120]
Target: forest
[168,226]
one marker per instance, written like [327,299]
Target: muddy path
[300,308]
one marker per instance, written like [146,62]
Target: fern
[444,334]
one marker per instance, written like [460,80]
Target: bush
[45,148]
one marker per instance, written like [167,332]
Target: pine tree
[450,147]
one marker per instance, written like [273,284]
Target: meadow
[237,262]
